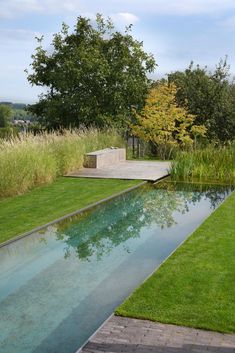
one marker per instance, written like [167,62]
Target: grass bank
[20,214]
[216,164]
[195,286]
[30,161]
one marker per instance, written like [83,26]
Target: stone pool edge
[83,209]
[80,349]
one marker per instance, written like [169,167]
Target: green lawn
[196,286]
[44,204]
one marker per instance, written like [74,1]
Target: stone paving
[122,335]
[143,170]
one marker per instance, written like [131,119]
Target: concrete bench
[104,158]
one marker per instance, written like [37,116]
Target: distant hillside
[15,105]
[19,112]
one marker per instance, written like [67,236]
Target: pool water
[58,285]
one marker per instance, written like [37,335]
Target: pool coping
[80,210]
[150,275]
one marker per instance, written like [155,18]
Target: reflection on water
[113,223]
[59,285]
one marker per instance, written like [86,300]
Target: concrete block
[104,158]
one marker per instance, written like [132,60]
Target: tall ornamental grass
[29,161]
[208,164]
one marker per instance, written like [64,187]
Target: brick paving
[124,335]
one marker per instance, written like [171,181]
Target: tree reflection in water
[96,232]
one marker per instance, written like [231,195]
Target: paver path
[141,336]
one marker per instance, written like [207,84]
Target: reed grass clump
[208,164]
[28,161]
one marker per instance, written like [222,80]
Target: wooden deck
[143,170]
[124,335]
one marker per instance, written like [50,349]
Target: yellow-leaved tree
[165,124]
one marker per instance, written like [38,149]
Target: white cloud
[161,7]
[228,23]
[125,17]
[18,34]
[14,8]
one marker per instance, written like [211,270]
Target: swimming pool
[58,285]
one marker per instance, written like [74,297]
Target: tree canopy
[5,115]
[210,96]
[165,124]
[92,76]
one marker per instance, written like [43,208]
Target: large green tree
[92,76]
[209,96]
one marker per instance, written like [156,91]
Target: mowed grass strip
[195,287]
[20,214]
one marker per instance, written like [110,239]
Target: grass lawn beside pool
[196,286]
[20,214]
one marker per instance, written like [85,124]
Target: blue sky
[175,31]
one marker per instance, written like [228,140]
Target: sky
[174,31]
